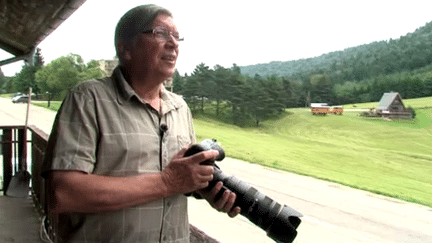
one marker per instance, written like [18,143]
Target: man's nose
[172,41]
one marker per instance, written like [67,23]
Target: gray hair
[134,22]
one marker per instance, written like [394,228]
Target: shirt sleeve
[73,140]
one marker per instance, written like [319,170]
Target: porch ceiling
[26,23]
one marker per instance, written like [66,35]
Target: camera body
[279,222]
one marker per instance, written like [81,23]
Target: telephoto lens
[280,222]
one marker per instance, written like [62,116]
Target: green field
[391,158]
[54,105]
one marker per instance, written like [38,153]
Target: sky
[243,32]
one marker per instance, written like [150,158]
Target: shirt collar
[126,92]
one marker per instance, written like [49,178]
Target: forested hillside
[359,74]
[408,53]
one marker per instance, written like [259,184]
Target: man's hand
[186,174]
[225,203]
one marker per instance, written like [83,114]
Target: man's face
[156,56]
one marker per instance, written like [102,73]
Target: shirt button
[164,238]
[168,203]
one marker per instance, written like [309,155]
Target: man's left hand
[225,203]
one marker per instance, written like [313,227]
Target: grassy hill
[392,158]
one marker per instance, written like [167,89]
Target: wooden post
[22,149]
[7,157]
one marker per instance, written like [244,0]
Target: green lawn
[54,105]
[392,158]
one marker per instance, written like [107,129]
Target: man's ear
[123,52]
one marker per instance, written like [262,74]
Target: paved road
[15,114]
[332,213]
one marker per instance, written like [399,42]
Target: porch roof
[26,23]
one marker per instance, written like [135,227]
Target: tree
[38,58]
[427,90]
[63,73]
[25,79]
[198,85]
[3,83]
[218,89]
[178,82]
[274,89]
[92,70]
[262,99]
[190,90]
[322,88]
[236,69]
[288,93]
[236,90]
[414,88]
[345,93]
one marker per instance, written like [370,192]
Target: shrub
[413,113]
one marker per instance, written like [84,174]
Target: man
[115,160]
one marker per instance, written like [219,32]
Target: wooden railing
[12,143]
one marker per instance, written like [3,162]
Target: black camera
[279,222]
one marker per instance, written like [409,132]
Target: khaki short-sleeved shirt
[104,128]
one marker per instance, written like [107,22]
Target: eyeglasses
[164,34]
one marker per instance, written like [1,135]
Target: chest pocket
[171,146]
[183,141]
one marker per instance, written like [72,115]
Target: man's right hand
[186,174]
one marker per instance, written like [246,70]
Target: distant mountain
[409,52]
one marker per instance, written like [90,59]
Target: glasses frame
[164,34]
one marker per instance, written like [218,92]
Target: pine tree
[38,58]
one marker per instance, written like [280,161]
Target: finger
[215,190]
[219,204]
[202,185]
[202,156]
[230,202]
[206,178]
[234,212]
[182,151]
[205,170]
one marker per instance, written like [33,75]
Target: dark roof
[387,99]
[25,23]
